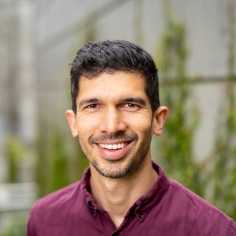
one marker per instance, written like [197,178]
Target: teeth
[113,146]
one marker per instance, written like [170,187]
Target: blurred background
[193,44]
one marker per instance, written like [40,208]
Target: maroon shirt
[169,209]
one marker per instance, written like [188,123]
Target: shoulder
[205,216]
[60,210]
[55,206]
[64,197]
[59,197]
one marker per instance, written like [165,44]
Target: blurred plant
[60,175]
[223,174]
[15,225]
[215,181]
[14,152]
[78,162]
[175,145]
[43,164]
[58,164]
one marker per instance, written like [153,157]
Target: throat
[117,220]
[117,195]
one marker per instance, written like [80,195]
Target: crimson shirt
[169,209]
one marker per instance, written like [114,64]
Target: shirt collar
[143,204]
[154,196]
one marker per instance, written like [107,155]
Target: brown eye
[130,105]
[92,106]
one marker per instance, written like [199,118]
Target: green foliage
[58,164]
[215,178]
[175,145]
[223,174]
[78,162]
[60,176]
[61,162]
[15,225]
[14,151]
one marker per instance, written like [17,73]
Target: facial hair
[113,169]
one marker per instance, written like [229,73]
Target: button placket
[95,211]
[140,216]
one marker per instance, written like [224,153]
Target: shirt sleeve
[232,229]
[30,231]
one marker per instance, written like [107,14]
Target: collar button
[140,216]
[95,211]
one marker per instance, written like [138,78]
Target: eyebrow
[123,100]
[135,100]
[87,101]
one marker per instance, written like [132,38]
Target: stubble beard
[113,169]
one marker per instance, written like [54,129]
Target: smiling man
[115,112]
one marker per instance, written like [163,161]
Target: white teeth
[113,146]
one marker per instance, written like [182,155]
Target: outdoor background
[193,44]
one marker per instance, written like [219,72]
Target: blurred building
[39,38]
[18,75]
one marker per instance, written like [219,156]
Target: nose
[112,121]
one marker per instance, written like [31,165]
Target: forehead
[111,85]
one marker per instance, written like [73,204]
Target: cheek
[86,125]
[142,126]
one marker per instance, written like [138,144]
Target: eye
[131,106]
[92,106]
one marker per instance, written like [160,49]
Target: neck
[116,196]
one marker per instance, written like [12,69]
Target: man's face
[114,122]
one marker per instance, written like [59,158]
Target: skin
[115,124]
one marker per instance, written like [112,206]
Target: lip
[114,154]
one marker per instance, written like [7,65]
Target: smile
[113,146]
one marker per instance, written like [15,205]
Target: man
[115,112]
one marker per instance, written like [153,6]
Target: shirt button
[140,216]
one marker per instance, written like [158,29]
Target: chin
[114,170]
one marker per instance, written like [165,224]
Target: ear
[159,119]
[71,118]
